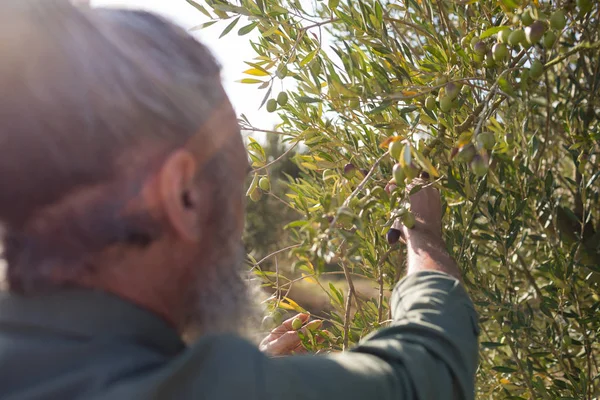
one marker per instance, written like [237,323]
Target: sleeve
[429,352]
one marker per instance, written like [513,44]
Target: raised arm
[430,349]
[425,246]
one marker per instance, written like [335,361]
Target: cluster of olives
[282,100]
[447,97]
[476,154]
[264,185]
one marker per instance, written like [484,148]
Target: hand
[284,340]
[426,205]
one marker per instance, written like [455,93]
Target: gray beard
[226,301]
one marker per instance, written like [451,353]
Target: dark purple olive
[349,171]
[393,236]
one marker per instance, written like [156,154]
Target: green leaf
[500,368]
[229,27]
[426,164]
[250,80]
[253,184]
[492,345]
[270,31]
[199,8]
[233,9]
[204,25]
[307,100]
[256,72]
[492,31]
[247,29]
[308,57]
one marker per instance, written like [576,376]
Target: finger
[284,344]
[300,349]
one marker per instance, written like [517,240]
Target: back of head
[91,99]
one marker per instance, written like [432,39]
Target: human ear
[179,195]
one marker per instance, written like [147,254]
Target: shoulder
[218,366]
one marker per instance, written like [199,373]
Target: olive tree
[498,102]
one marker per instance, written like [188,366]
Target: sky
[231,51]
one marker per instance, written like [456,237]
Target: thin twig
[318,24]
[274,253]
[413,26]
[253,129]
[292,147]
[285,202]
[360,186]
[578,48]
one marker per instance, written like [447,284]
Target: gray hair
[83,89]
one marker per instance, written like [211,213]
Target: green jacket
[90,345]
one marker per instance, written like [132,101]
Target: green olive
[558,20]
[517,37]
[430,103]
[466,153]
[398,173]
[282,72]
[503,35]
[500,52]
[395,149]
[478,165]
[282,99]
[486,140]
[264,184]
[296,324]
[271,105]
[452,89]
[527,17]
[549,39]
[585,6]
[445,103]
[536,70]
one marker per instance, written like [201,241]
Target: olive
[430,103]
[445,103]
[478,165]
[558,20]
[549,39]
[536,70]
[393,236]
[271,105]
[264,184]
[282,99]
[349,171]
[395,149]
[500,52]
[399,174]
[535,32]
[516,37]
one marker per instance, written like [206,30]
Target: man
[122,173]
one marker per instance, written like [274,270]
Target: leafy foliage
[498,100]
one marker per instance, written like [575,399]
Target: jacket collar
[89,314]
